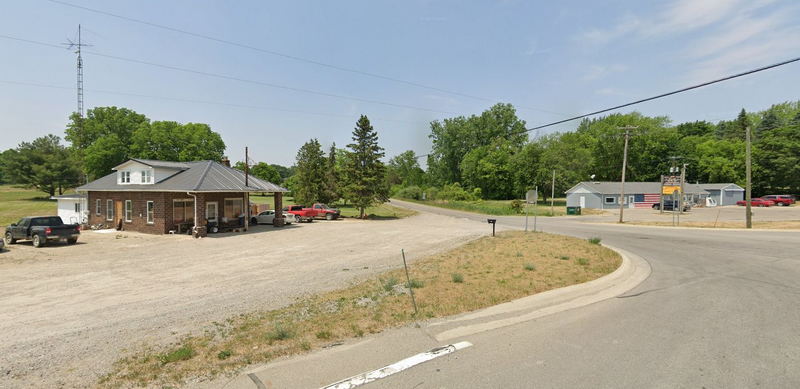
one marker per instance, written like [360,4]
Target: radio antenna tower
[77,46]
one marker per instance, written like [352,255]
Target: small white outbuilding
[72,208]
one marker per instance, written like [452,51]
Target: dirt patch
[482,273]
[70,311]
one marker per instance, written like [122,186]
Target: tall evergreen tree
[331,192]
[364,173]
[44,164]
[309,179]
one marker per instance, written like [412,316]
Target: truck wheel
[10,238]
[72,240]
[38,241]
[328,216]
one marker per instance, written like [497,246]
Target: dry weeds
[491,271]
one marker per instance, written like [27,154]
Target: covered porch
[209,212]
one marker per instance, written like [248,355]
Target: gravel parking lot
[70,311]
[731,213]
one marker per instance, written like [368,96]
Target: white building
[72,208]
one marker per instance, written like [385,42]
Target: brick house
[160,196]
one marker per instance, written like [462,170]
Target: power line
[287,56]
[234,78]
[696,86]
[195,101]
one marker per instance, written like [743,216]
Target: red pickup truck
[327,212]
[780,200]
[302,214]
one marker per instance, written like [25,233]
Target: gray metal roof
[632,187]
[722,186]
[157,163]
[72,196]
[203,176]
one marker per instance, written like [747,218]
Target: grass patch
[183,353]
[16,203]
[415,284]
[224,354]
[496,273]
[383,211]
[594,240]
[529,267]
[583,261]
[458,278]
[504,207]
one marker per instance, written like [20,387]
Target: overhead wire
[659,96]
[288,56]
[234,78]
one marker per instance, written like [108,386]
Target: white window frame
[184,211]
[128,211]
[109,210]
[98,210]
[612,198]
[150,211]
[147,176]
[78,207]
[125,177]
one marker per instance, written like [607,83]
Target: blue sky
[550,59]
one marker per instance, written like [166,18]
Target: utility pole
[749,185]
[246,167]
[553,194]
[624,168]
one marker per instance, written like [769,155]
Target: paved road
[721,309]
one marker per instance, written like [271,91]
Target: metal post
[661,207]
[526,215]
[408,278]
[553,194]
[748,173]
[624,166]
[535,205]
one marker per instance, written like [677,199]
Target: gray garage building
[606,194]
[724,194]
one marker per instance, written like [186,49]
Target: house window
[233,208]
[128,210]
[125,177]
[147,177]
[150,212]
[182,210]
[97,210]
[610,200]
[78,207]
[109,210]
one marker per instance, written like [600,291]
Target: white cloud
[597,72]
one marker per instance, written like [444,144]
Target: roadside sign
[670,184]
[531,196]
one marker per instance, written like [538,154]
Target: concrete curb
[633,271]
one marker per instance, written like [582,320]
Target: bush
[530,267]
[224,354]
[516,205]
[280,333]
[455,192]
[410,192]
[388,285]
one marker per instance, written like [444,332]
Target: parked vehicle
[42,229]
[781,200]
[757,202]
[671,205]
[268,217]
[327,212]
[2,244]
[302,214]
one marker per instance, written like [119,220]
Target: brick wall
[163,212]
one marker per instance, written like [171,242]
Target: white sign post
[530,198]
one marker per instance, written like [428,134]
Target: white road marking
[397,367]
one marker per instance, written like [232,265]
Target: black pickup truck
[42,229]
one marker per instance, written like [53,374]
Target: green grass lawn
[499,207]
[379,212]
[19,202]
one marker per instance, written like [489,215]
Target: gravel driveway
[68,312]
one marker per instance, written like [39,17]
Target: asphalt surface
[721,309]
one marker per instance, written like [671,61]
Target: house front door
[118,214]
[211,211]
[583,202]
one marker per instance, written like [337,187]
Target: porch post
[278,196]
[246,201]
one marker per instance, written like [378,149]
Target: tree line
[490,156]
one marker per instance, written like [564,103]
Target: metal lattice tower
[77,46]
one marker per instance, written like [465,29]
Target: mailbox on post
[492,222]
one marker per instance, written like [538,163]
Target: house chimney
[225,161]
